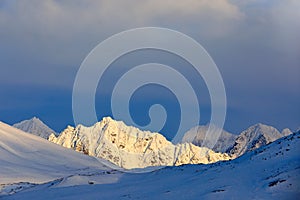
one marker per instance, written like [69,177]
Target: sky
[254,43]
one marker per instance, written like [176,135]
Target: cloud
[61,17]
[41,38]
[44,37]
[255,43]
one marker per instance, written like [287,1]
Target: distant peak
[70,127]
[107,119]
[35,119]
[286,132]
[260,125]
[262,128]
[34,126]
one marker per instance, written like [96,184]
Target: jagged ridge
[129,147]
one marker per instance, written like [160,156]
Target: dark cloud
[254,43]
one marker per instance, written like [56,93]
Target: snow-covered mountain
[270,172]
[286,132]
[197,135]
[128,147]
[35,126]
[255,137]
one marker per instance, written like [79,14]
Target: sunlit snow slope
[129,147]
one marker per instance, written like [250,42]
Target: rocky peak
[129,147]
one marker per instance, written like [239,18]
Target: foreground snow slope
[129,147]
[270,172]
[28,158]
[35,126]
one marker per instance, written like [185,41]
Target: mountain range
[129,148]
[34,168]
[236,145]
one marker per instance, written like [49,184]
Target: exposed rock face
[129,147]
